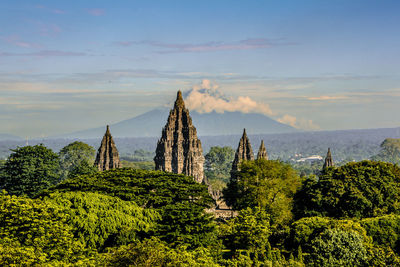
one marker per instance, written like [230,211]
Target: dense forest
[58,210]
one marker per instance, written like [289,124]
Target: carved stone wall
[262,151]
[243,152]
[179,150]
[107,155]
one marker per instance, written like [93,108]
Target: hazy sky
[72,65]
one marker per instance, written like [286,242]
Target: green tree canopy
[29,170]
[218,163]
[74,157]
[34,232]
[100,220]
[390,151]
[360,189]
[268,184]
[178,198]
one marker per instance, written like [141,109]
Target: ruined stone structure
[262,151]
[179,150]
[107,156]
[243,152]
[328,160]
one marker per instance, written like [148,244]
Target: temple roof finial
[179,103]
[262,151]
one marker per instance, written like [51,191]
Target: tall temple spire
[262,151]
[328,160]
[243,152]
[107,156]
[179,150]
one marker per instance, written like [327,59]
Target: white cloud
[206,98]
[301,123]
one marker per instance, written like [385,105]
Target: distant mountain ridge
[150,124]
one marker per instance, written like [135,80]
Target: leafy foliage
[218,163]
[335,247]
[73,155]
[83,168]
[29,170]
[100,220]
[390,151]
[31,231]
[248,231]
[178,198]
[384,230]
[268,184]
[153,253]
[361,189]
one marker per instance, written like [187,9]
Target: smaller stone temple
[107,156]
[262,151]
[179,150]
[328,160]
[243,152]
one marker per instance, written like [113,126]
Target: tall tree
[74,156]
[29,170]
[357,189]
[390,151]
[219,163]
[268,184]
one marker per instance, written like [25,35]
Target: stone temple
[328,160]
[179,150]
[262,151]
[107,156]
[243,152]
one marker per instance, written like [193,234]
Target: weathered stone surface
[179,150]
[107,156]
[262,151]
[243,152]
[328,160]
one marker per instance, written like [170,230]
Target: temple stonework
[262,151]
[107,156]
[179,150]
[328,160]
[243,152]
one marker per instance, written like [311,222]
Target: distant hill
[150,124]
[5,137]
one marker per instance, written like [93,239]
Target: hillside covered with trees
[57,210]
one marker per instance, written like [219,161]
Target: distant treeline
[346,145]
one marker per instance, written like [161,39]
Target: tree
[218,163]
[248,232]
[335,247]
[267,184]
[155,253]
[390,151]
[83,168]
[178,198]
[100,220]
[33,232]
[29,170]
[73,156]
[360,189]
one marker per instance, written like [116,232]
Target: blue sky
[316,65]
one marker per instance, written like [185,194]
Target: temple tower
[243,152]
[107,156]
[328,160]
[262,151]
[179,150]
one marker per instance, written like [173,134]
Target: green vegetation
[144,165]
[390,151]
[347,216]
[76,158]
[360,189]
[29,170]
[267,184]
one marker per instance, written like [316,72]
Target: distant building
[328,160]
[179,150]
[243,152]
[262,151]
[107,155]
